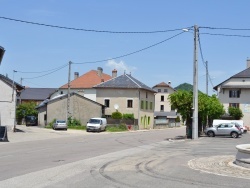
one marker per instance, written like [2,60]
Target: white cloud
[120,66]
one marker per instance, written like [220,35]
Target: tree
[236,113]
[208,107]
[26,109]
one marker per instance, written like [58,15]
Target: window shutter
[230,93]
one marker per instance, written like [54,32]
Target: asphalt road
[133,159]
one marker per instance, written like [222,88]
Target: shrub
[50,125]
[177,119]
[116,115]
[128,116]
[73,122]
[236,113]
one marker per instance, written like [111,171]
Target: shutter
[230,93]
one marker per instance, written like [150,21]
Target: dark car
[31,120]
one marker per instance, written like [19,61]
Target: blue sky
[33,48]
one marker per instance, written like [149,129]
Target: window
[159,90]
[129,103]
[162,98]
[142,105]
[234,93]
[235,105]
[151,105]
[107,103]
[61,92]
[172,108]
[165,90]
[146,105]
[146,95]
[162,107]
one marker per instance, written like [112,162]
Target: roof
[88,80]
[65,96]
[36,93]
[124,81]
[10,82]
[243,74]
[163,84]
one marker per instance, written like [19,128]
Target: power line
[91,30]
[225,28]
[225,35]
[204,60]
[47,73]
[45,70]
[131,53]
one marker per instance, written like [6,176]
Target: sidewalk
[32,133]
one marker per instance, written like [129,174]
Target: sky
[40,54]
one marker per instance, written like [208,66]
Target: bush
[50,125]
[236,113]
[116,115]
[73,122]
[128,116]
[119,128]
[177,119]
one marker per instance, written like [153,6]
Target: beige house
[235,92]
[8,99]
[129,96]
[163,113]
[81,108]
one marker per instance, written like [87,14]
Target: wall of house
[80,108]
[7,105]
[88,93]
[159,102]
[244,102]
[121,96]
[42,111]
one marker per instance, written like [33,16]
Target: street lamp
[14,100]
[1,53]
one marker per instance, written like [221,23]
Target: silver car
[224,129]
[60,124]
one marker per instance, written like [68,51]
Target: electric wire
[91,30]
[47,73]
[43,71]
[225,28]
[226,35]
[202,57]
[131,53]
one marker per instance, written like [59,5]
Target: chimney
[114,73]
[76,75]
[248,63]
[99,69]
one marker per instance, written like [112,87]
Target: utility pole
[206,78]
[21,81]
[195,86]
[68,100]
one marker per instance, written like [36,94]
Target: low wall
[243,155]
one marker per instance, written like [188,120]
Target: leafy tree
[116,115]
[26,109]
[128,116]
[236,113]
[208,107]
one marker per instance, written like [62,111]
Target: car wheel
[210,134]
[234,135]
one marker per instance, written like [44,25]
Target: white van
[239,122]
[96,124]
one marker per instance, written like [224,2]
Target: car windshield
[60,121]
[94,121]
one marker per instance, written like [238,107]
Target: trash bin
[189,132]
[3,134]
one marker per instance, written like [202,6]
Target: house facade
[235,92]
[83,85]
[128,96]
[8,99]
[80,108]
[163,113]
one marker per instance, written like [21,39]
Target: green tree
[236,113]
[26,109]
[208,107]
[116,115]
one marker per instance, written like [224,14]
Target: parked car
[30,120]
[96,124]
[224,129]
[60,124]
[242,127]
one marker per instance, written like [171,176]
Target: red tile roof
[88,80]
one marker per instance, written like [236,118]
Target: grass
[77,127]
[120,128]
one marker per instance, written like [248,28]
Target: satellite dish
[116,106]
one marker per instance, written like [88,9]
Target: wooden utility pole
[68,99]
